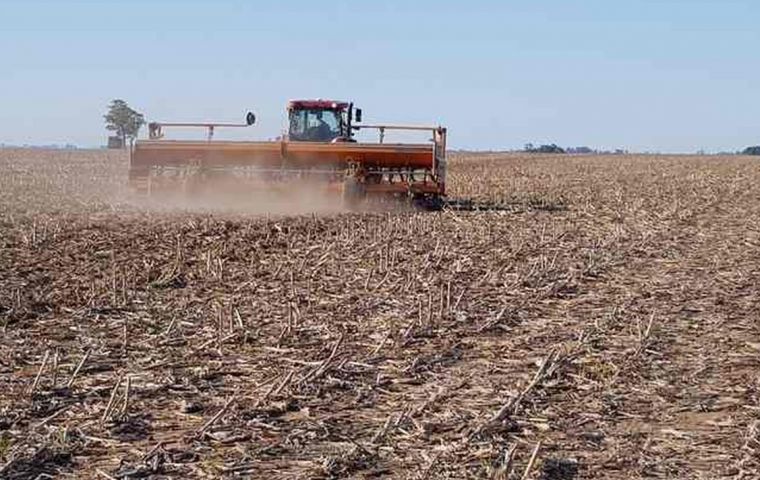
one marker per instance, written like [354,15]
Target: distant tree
[752,150]
[123,120]
[553,148]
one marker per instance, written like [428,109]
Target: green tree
[752,151]
[553,148]
[123,120]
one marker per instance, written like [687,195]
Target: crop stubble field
[604,326]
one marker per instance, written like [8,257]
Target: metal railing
[155,129]
[383,128]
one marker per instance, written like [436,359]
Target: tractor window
[314,125]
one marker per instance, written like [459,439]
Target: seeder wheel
[353,192]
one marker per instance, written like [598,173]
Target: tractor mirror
[358,115]
[250,119]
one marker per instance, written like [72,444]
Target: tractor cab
[321,121]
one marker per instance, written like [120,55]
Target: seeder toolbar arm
[397,127]
[383,128]
[155,129]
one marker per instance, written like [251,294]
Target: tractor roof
[317,105]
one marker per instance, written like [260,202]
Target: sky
[642,75]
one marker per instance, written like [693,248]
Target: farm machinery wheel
[431,203]
[354,192]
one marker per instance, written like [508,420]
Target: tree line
[554,148]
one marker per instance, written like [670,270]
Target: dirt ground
[604,325]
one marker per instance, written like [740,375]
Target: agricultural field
[603,325]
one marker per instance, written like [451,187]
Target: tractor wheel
[353,192]
[429,203]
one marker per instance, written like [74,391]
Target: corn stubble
[603,326]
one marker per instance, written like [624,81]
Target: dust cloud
[257,198]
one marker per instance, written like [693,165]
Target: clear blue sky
[667,75]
